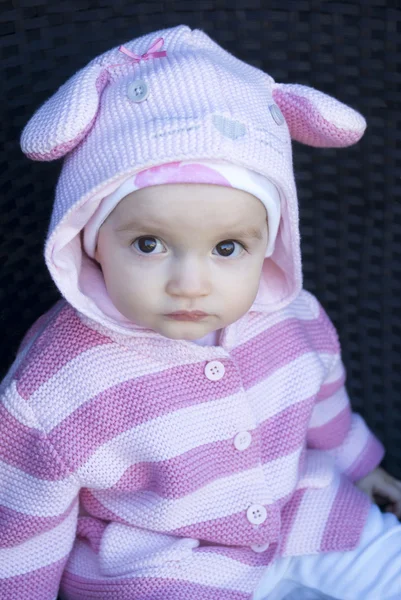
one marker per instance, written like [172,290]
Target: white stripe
[306,305]
[199,568]
[217,499]
[318,469]
[299,309]
[157,439]
[71,391]
[18,407]
[326,410]
[33,496]
[40,551]
[290,384]
[337,371]
[315,527]
[282,474]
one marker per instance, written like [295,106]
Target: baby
[177,427]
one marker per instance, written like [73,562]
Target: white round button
[260,547]
[276,114]
[138,91]
[242,440]
[256,514]
[214,370]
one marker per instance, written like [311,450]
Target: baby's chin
[186,330]
[188,336]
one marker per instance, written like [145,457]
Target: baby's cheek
[250,287]
[242,297]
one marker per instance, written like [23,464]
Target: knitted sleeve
[38,505]
[334,427]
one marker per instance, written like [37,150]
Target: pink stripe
[142,588]
[96,508]
[91,529]
[42,584]
[367,460]
[63,339]
[219,459]
[329,389]
[293,421]
[28,449]
[186,473]
[261,356]
[347,518]
[289,515]
[136,401]
[235,529]
[331,434]
[15,527]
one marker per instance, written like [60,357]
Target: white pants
[370,572]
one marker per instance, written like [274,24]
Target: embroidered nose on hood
[170,96]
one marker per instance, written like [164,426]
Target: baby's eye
[147,245]
[228,248]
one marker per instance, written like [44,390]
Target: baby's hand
[383,489]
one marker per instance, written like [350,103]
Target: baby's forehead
[190,202]
[194,224]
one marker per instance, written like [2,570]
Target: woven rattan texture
[350,199]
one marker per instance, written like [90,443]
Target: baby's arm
[333,426]
[343,434]
[38,505]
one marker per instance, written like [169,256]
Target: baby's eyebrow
[135,226]
[229,233]
[249,232]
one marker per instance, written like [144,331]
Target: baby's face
[183,247]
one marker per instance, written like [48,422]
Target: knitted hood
[174,95]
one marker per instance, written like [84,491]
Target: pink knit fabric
[316,122]
[149,448]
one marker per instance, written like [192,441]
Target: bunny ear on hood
[62,122]
[317,119]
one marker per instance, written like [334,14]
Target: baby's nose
[189,278]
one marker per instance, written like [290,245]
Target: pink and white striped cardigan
[124,475]
[137,467]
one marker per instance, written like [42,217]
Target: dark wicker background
[350,198]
